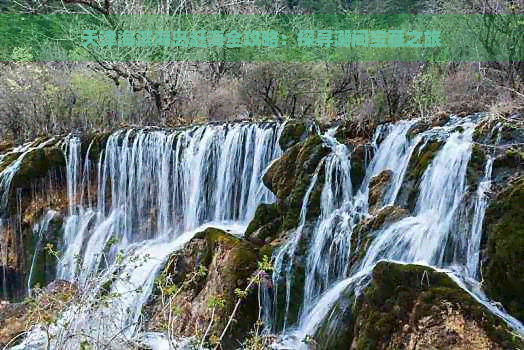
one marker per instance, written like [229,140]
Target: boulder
[504,248]
[415,307]
[377,188]
[198,287]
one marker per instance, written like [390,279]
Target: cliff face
[207,286]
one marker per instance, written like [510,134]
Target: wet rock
[363,233]
[5,145]
[93,143]
[290,176]
[264,225]
[377,188]
[415,307]
[351,129]
[418,127]
[418,163]
[43,249]
[12,322]
[294,131]
[476,166]
[37,164]
[11,280]
[361,154]
[203,277]
[439,119]
[504,248]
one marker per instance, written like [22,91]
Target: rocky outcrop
[37,185]
[293,132]
[415,307]
[290,176]
[200,286]
[504,248]
[363,232]
[377,188]
[264,225]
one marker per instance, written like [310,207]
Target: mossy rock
[264,225]
[294,131]
[361,155]
[228,263]
[502,271]
[415,302]
[363,232]
[418,163]
[290,176]
[476,166]
[7,160]
[417,128]
[95,143]
[377,188]
[37,164]
[45,264]
[350,129]
[5,146]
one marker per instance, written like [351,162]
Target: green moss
[418,163]
[45,264]
[294,131]
[36,164]
[417,128]
[421,158]
[8,160]
[476,165]
[94,142]
[266,221]
[502,272]
[290,176]
[363,232]
[229,262]
[407,293]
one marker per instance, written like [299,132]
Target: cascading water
[6,176]
[39,230]
[330,248]
[420,238]
[156,189]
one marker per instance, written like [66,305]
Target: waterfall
[283,262]
[155,189]
[40,229]
[7,174]
[149,190]
[330,242]
[419,238]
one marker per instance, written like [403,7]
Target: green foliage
[22,54]
[265,264]
[50,249]
[216,302]
[427,89]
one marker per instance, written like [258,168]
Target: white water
[420,238]
[155,190]
[40,229]
[7,175]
